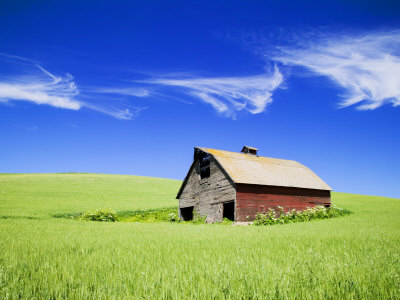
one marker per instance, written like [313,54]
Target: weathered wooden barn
[223,184]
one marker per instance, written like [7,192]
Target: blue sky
[131,87]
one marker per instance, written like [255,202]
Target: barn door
[229,210]
[186,213]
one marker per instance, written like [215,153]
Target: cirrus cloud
[366,66]
[46,89]
[37,85]
[227,95]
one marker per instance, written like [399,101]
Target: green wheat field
[41,257]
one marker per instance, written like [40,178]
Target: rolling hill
[352,257]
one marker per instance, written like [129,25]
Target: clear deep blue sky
[130,87]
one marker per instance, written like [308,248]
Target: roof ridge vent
[249,150]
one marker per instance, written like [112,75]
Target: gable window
[204,165]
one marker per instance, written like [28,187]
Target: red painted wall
[252,199]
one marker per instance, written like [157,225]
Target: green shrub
[100,215]
[149,215]
[280,217]
[173,217]
[198,218]
[226,221]
[75,215]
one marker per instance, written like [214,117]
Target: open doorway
[229,210]
[187,213]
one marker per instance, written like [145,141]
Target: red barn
[223,184]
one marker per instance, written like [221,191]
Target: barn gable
[206,195]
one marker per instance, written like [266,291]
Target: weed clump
[100,215]
[198,218]
[279,216]
[149,215]
[173,217]
[226,221]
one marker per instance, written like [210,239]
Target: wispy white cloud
[37,85]
[118,112]
[366,66]
[228,95]
[107,100]
[128,91]
[45,88]
[15,58]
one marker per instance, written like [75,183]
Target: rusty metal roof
[251,169]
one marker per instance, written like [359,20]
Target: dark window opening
[205,173]
[204,165]
[251,151]
[187,213]
[229,210]
[327,205]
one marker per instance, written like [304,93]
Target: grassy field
[41,257]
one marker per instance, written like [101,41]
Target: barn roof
[250,169]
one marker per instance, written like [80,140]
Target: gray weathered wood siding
[207,195]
